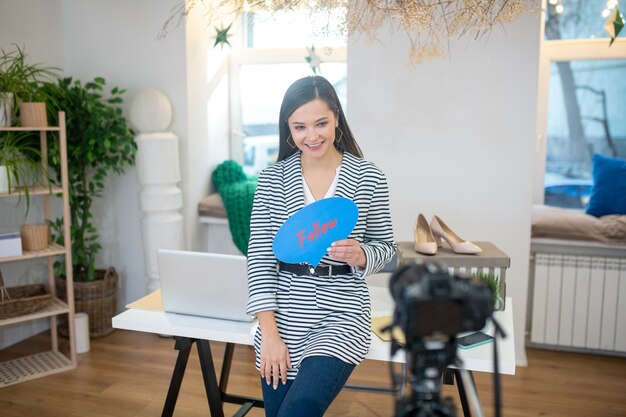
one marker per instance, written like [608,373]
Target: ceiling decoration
[428,24]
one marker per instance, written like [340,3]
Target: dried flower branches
[427,23]
[430,23]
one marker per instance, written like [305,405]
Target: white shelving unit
[52,361]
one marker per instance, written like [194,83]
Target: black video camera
[432,307]
[430,301]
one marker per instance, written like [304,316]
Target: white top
[308,195]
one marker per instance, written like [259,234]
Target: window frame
[562,50]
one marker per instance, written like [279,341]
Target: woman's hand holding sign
[348,251]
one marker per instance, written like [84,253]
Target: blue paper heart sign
[306,236]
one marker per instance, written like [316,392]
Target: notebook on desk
[204,284]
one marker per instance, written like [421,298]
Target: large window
[271,57]
[582,100]
[577,19]
[586,115]
[294,29]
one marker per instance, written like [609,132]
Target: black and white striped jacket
[328,316]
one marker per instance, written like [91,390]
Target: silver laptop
[204,284]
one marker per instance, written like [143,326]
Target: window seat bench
[577,282]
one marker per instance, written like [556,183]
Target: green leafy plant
[22,79]
[99,142]
[22,162]
[493,282]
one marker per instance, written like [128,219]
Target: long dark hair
[301,92]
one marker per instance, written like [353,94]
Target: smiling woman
[308,341]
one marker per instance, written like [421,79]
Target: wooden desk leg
[210,381]
[183,346]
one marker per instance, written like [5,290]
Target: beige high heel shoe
[458,245]
[424,239]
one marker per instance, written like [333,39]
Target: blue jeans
[319,380]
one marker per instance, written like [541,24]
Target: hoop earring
[293,146]
[340,136]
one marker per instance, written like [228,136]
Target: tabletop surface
[476,359]
[490,257]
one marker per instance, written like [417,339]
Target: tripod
[429,363]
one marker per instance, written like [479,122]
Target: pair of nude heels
[430,237]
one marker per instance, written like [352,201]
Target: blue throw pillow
[608,195]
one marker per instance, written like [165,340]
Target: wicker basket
[35,236]
[25,299]
[96,298]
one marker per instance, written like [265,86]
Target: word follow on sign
[305,236]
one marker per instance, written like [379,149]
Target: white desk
[475,359]
[206,329]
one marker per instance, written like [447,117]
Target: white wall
[36,25]
[455,138]
[116,40]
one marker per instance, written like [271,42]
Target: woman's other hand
[274,357]
[348,251]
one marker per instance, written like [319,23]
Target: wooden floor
[127,374]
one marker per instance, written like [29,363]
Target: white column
[158,170]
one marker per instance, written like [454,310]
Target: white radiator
[578,302]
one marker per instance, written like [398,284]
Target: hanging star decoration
[313,59]
[221,36]
[614,24]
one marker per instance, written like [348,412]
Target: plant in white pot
[20,170]
[99,142]
[20,165]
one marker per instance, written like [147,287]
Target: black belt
[318,271]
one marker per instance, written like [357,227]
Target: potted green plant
[20,170]
[20,85]
[20,165]
[99,142]
[493,282]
